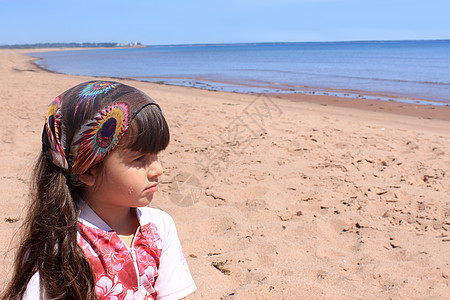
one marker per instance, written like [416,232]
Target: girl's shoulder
[33,290]
[157,217]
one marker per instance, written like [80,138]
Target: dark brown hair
[49,240]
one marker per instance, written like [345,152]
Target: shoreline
[266,88]
[257,87]
[440,112]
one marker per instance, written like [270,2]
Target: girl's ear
[90,176]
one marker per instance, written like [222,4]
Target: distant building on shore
[134,44]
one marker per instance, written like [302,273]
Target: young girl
[88,232]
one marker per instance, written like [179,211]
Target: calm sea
[405,69]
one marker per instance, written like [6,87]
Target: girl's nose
[155,169]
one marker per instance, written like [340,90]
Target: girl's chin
[145,201]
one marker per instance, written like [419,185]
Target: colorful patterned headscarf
[86,122]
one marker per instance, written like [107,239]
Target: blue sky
[233,21]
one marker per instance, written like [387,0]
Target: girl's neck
[123,220]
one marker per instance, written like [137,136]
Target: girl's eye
[144,159]
[140,158]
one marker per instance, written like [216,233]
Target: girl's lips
[152,189]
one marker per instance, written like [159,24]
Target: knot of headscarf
[86,122]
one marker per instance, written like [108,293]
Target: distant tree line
[62,45]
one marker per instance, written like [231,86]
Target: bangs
[148,132]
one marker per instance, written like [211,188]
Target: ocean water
[407,70]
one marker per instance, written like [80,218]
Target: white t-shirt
[154,268]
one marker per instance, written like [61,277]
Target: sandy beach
[274,197]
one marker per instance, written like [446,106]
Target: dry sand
[273,198]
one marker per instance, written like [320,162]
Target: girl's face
[126,179]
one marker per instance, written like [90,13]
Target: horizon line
[309,42]
[234,43]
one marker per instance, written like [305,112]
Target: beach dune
[274,197]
